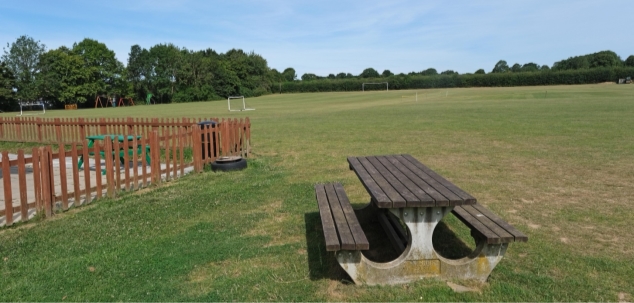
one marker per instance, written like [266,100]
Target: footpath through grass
[558,165]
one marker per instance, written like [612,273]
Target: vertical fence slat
[75,163]
[85,156]
[182,138]
[24,203]
[37,186]
[98,170]
[196,150]
[116,162]
[174,158]
[165,143]
[62,176]
[155,150]
[109,169]
[126,162]
[6,181]
[135,158]
[144,163]
[46,181]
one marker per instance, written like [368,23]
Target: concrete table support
[420,260]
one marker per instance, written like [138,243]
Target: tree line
[87,69]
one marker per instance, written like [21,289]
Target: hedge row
[587,76]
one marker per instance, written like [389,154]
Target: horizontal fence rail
[45,182]
[74,130]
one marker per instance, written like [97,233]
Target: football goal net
[32,106]
[240,107]
[387,86]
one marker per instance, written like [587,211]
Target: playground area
[134,168]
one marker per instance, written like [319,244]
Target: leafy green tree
[629,61]
[580,62]
[449,72]
[64,77]
[331,76]
[480,72]
[309,77]
[22,57]
[341,76]
[276,76]
[140,71]
[516,68]
[7,86]
[501,67]
[605,59]
[429,72]
[544,68]
[106,72]
[369,73]
[289,74]
[387,73]
[165,59]
[530,67]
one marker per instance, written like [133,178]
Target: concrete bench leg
[420,260]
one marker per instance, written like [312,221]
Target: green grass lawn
[557,165]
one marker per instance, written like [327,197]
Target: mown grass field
[557,162]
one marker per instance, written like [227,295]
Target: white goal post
[387,85]
[31,105]
[244,104]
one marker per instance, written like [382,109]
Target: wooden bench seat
[487,226]
[341,227]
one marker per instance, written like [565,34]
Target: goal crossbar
[387,85]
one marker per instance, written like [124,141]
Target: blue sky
[324,37]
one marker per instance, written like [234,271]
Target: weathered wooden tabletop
[397,181]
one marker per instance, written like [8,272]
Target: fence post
[47,180]
[155,152]
[8,197]
[196,148]
[107,151]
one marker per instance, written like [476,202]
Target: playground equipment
[244,104]
[31,104]
[149,99]
[122,101]
[98,101]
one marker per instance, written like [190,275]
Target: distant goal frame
[244,104]
[387,85]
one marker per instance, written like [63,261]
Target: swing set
[123,101]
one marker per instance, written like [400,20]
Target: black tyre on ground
[229,165]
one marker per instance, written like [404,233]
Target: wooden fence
[46,181]
[74,130]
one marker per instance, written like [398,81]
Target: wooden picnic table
[121,153]
[406,193]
